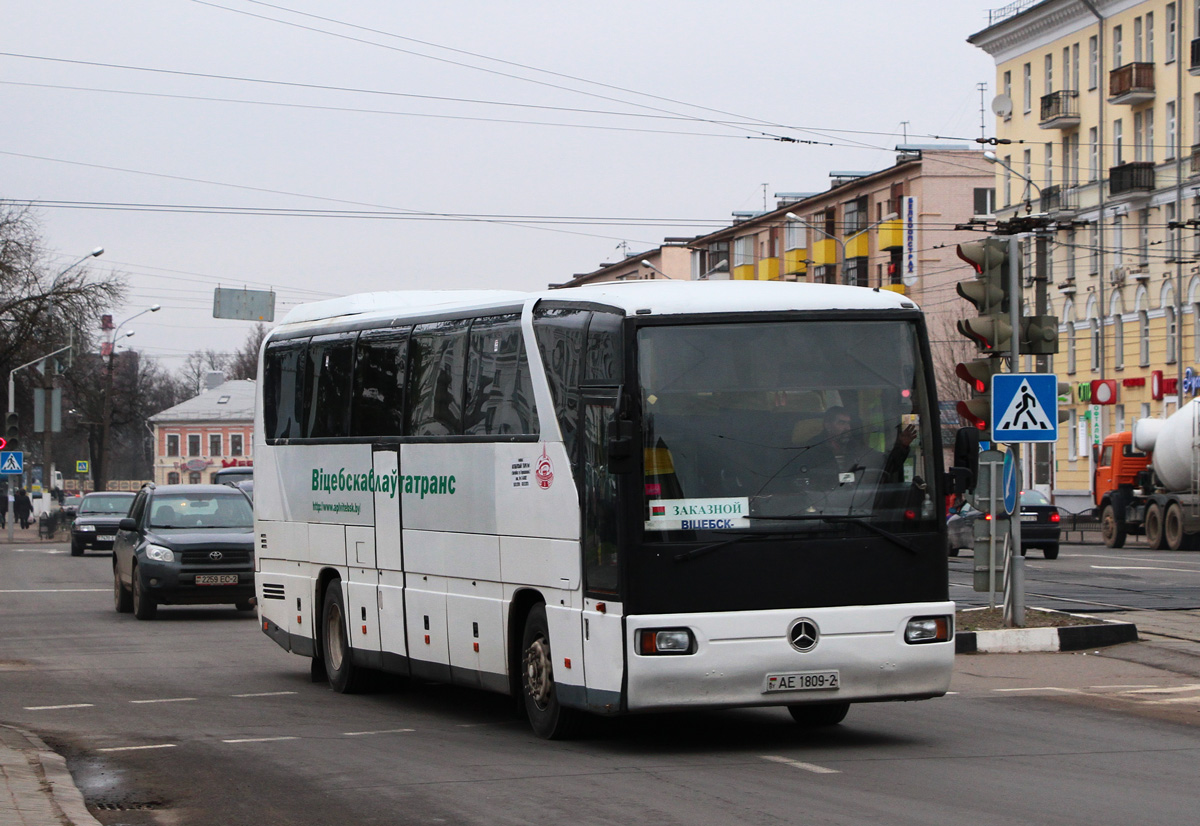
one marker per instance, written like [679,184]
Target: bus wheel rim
[333,634]
[539,678]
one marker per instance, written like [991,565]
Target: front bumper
[169,584]
[735,652]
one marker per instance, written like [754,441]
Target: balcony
[1060,110]
[1131,84]
[1057,200]
[1195,64]
[1131,178]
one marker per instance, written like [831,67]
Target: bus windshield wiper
[688,556]
[895,539]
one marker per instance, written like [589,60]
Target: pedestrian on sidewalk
[3,504]
[22,508]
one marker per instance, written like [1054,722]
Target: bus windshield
[785,425]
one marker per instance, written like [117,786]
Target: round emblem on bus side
[544,471]
[803,634]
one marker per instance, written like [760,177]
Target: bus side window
[283,391]
[327,399]
[437,361]
[604,362]
[379,383]
[499,389]
[560,337]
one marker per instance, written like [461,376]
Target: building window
[193,444]
[1094,336]
[1049,61]
[1049,164]
[1118,61]
[1118,142]
[1093,62]
[235,444]
[1150,37]
[1094,254]
[1008,180]
[172,444]
[1172,330]
[743,251]
[1172,148]
[855,272]
[1137,40]
[1144,236]
[1143,338]
[854,216]
[195,478]
[1027,86]
[1118,227]
[1072,435]
[1172,233]
[1071,352]
[214,444]
[1118,341]
[1148,118]
[172,478]
[1008,91]
[1170,46]
[985,200]
[1093,154]
[1138,139]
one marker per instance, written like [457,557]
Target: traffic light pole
[1014,571]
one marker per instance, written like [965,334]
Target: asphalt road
[197,718]
[1095,579]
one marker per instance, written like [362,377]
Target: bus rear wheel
[547,717]
[343,676]
[822,716]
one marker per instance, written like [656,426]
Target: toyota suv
[184,545]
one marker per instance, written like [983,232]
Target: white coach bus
[612,499]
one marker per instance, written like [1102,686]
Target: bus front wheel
[822,716]
[549,719]
[344,677]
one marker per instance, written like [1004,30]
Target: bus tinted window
[560,337]
[283,389]
[437,360]
[328,385]
[499,390]
[379,383]
[604,349]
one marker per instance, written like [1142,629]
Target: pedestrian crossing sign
[12,462]
[1024,407]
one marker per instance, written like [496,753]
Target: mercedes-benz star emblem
[803,634]
[217,556]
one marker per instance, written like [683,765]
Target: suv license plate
[802,681]
[216,579]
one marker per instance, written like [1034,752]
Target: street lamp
[990,157]
[96,253]
[102,475]
[646,263]
[720,266]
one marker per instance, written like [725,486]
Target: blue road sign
[1024,407]
[1010,483]
[12,462]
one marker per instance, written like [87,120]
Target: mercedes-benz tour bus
[618,498]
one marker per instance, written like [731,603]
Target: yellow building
[1098,127]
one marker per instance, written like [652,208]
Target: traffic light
[12,431]
[1039,335]
[988,293]
[978,409]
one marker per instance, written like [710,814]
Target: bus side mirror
[621,452]
[966,457]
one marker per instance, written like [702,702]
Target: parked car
[70,505]
[184,545]
[1040,526]
[96,520]
[233,475]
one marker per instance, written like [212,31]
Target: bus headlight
[929,629]
[654,641]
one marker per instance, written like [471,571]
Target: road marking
[36,551]
[55,708]
[1141,568]
[1133,685]
[796,764]
[259,739]
[166,700]
[140,748]
[265,694]
[1179,689]
[381,731]
[58,591]
[1136,558]
[1040,688]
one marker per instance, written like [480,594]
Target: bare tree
[244,364]
[197,365]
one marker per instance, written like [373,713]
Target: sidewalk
[29,536]
[35,787]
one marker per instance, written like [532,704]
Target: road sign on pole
[12,462]
[1024,407]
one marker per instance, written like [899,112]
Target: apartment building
[198,437]
[1098,126]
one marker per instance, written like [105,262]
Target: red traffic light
[974,412]
[3,442]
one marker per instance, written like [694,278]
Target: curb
[1020,640]
[56,784]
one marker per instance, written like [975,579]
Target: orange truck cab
[1115,485]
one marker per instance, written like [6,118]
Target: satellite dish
[1001,106]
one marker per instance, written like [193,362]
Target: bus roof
[658,297]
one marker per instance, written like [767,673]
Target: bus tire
[343,676]
[819,716]
[1173,536]
[1111,528]
[547,717]
[1155,537]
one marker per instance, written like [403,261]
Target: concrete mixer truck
[1146,482]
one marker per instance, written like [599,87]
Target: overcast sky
[507,145]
